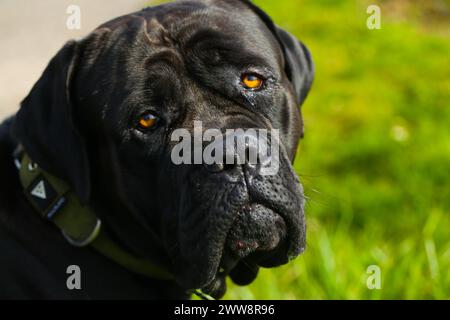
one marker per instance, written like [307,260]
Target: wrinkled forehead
[138,54]
[184,22]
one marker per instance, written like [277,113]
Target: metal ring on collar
[32,166]
[88,240]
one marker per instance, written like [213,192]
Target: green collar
[55,201]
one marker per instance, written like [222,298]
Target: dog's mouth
[258,238]
[251,222]
[257,229]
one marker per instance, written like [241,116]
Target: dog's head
[104,111]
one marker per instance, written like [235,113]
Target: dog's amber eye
[252,81]
[147,120]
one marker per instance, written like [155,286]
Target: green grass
[375,160]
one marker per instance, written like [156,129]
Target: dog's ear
[299,66]
[45,127]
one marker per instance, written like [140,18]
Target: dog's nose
[239,150]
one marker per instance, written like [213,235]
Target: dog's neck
[52,196]
[81,225]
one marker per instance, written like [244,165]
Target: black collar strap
[55,201]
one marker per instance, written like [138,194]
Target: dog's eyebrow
[208,35]
[227,44]
[166,56]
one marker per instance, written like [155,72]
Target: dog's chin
[257,238]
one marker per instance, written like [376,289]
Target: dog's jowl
[86,167]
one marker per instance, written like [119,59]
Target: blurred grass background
[375,160]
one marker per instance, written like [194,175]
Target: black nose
[239,150]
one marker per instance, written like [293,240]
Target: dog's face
[103,113]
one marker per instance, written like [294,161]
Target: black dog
[100,118]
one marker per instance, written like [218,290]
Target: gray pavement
[32,31]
